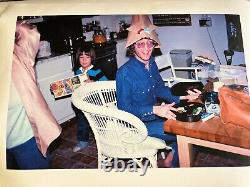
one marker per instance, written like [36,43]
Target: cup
[217,85]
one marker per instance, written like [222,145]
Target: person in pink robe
[31,127]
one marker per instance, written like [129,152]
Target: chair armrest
[195,69]
[168,80]
[187,68]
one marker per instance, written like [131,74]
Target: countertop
[52,56]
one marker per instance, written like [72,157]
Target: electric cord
[213,45]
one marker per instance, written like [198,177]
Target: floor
[64,158]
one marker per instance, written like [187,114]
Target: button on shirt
[138,88]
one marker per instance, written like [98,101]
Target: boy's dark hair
[84,47]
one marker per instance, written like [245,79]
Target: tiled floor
[64,158]
[62,155]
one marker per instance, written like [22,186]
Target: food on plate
[181,109]
[197,111]
[189,112]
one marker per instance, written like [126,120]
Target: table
[212,134]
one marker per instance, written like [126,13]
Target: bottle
[107,33]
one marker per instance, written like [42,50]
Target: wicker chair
[118,134]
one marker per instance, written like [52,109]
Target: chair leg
[103,159]
[169,84]
[100,160]
[153,161]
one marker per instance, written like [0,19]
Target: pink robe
[44,125]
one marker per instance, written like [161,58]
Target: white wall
[192,37]
[110,21]
[197,39]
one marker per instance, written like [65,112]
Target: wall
[193,37]
[197,39]
[111,21]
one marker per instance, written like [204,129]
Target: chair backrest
[164,62]
[115,131]
[101,93]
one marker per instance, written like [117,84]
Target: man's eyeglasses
[150,44]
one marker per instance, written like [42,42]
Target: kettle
[99,37]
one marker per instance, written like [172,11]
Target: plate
[189,112]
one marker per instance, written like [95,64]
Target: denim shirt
[138,88]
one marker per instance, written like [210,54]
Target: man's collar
[141,64]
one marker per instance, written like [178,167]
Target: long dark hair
[84,47]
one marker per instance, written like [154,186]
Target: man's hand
[165,111]
[191,95]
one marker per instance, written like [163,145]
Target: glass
[150,44]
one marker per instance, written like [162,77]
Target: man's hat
[141,27]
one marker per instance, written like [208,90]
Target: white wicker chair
[118,134]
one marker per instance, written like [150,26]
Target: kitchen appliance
[49,70]
[106,58]
[181,58]
[99,37]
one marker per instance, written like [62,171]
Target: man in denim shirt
[139,84]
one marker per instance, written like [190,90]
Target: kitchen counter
[52,56]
